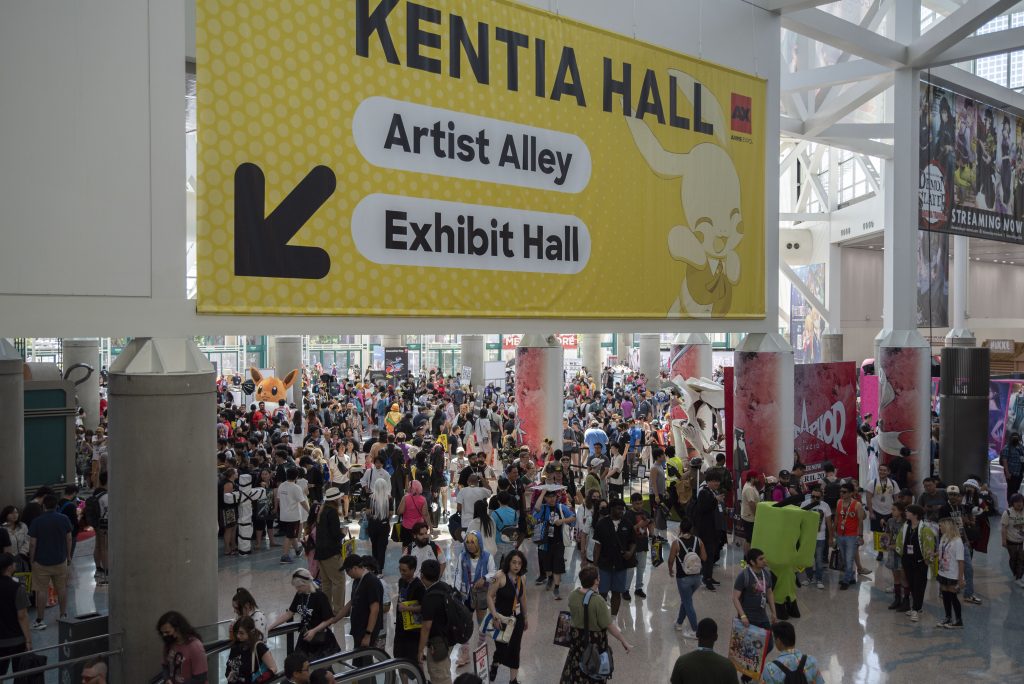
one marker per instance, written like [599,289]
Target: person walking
[552,517]
[591,624]
[791,663]
[881,494]
[615,552]
[378,519]
[705,517]
[951,573]
[685,563]
[1011,458]
[506,601]
[1011,530]
[292,505]
[434,651]
[472,575]
[917,545]
[410,597]
[184,660]
[412,509]
[642,526]
[849,532]
[49,550]
[752,595]
[15,636]
[703,665]
[329,537]
[313,610]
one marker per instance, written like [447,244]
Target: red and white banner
[825,418]
[512,341]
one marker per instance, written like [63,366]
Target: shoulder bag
[596,664]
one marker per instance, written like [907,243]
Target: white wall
[95,191]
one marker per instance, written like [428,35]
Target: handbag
[364,534]
[260,672]
[348,547]
[396,532]
[563,629]
[835,560]
[596,664]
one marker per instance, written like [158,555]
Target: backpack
[691,559]
[796,676]
[458,626]
[93,512]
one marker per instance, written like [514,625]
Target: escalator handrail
[379,655]
[214,647]
[392,665]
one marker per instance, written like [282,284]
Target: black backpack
[796,676]
[458,627]
[93,513]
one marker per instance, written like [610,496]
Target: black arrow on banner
[261,241]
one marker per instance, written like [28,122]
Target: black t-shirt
[241,663]
[432,609]
[328,535]
[465,474]
[407,592]
[5,540]
[311,609]
[615,539]
[365,593]
[899,470]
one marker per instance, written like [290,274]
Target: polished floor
[851,633]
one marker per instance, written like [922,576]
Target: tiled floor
[853,635]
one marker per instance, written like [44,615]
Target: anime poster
[932,280]
[748,648]
[1015,410]
[762,410]
[904,391]
[998,395]
[735,464]
[806,326]
[396,362]
[539,394]
[972,167]
[824,427]
[689,361]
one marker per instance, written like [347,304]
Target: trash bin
[76,629]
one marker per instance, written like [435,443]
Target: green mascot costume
[787,535]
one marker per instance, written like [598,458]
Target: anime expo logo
[825,399]
[934,201]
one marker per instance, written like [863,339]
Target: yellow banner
[470,158]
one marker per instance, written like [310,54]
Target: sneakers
[539,581]
[973,599]
[626,597]
[820,584]
[909,612]
[954,625]
[914,617]
[843,586]
[863,571]
[38,625]
[639,593]
[287,559]
[895,605]
[558,597]
[550,583]
[678,627]
[689,634]
[1020,582]
[944,622]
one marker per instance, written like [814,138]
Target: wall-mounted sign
[512,341]
[460,158]
[1002,346]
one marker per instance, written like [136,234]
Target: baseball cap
[952,489]
[783,474]
[696,461]
[596,462]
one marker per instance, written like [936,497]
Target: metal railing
[43,669]
[382,663]
[391,667]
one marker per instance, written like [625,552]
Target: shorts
[342,486]
[552,560]
[744,529]
[290,529]
[613,580]
[878,522]
[42,574]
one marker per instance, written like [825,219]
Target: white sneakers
[678,627]
[1020,583]
[914,617]
[821,585]
[689,634]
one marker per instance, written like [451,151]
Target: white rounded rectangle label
[413,137]
[414,231]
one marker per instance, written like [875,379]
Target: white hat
[332,494]
[460,450]
[596,462]
[972,483]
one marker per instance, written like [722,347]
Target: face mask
[169,639]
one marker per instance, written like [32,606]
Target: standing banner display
[396,362]
[461,158]
[825,423]
[972,173]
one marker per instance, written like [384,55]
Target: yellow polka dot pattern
[278,84]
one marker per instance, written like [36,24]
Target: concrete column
[959,334]
[904,373]
[623,345]
[690,357]
[288,357]
[539,390]
[650,358]
[12,424]
[162,413]
[832,347]
[590,352]
[85,350]
[763,402]
[473,356]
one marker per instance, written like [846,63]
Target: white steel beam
[836,74]
[804,217]
[955,27]
[870,147]
[858,130]
[787,5]
[813,166]
[852,98]
[976,47]
[846,36]
[982,87]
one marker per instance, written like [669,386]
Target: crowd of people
[363,467]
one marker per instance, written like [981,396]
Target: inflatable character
[710,196]
[270,388]
[702,399]
[788,537]
[246,497]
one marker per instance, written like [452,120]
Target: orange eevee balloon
[270,388]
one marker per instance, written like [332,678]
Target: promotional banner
[904,389]
[689,357]
[762,413]
[806,326]
[539,391]
[824,424]
[932,280]
[998,394]
[461,158]
[512,341]
[396,362]
[869,399]
[972,167]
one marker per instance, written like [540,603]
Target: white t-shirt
[467,497]
[426,553]
[883,495]
[290,496]
[1014,524]
[826,513]
[950,554]
[618,463]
